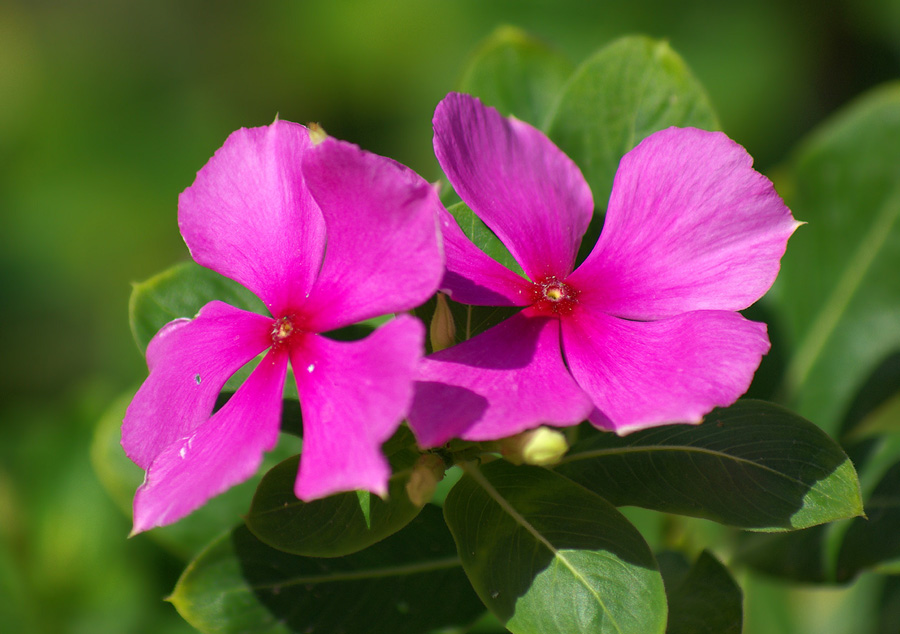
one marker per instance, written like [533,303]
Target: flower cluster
[644,332]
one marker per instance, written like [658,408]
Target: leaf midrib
[476,475]
[445,563]
[598,453]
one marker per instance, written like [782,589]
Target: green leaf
[754,465]
[517,74]
[839,288]
[482,237]
[181,291]
[800,556]
[121,478]
[629,89]
[703,598]
[547,556]
[410,583]
[334,526]
[874,542]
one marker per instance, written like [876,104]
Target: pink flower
[644,332]
[323,247]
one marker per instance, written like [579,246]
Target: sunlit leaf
[839,286]
[410,583]
[627,90]
[181,291]
[549,557]
[754,465]
[517,74]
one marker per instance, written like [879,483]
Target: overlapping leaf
[410,583]
[839,287]
[517,74]
[627,90]
[333,526]
[754,465]
[703,598]
[181,291]
[549,557]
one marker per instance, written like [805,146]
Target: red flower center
[553,297]
[283,330]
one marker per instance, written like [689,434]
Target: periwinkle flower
[645,331]
[324,236]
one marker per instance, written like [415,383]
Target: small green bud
[542,447]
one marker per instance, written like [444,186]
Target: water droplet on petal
[311,367]
[197,379]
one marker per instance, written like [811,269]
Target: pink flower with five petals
[645,331]
[315,232]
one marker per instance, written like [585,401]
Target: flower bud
[317,133]
[542,447]
[443,327]
[427,472]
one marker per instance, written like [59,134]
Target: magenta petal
[249,216]
[224,451]
[690,226]
[505,380]
[473,277]
[521,185]
[354,396]
[644,374]
[189,363]
[383,251]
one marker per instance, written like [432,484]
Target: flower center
[283,330]
[552,296]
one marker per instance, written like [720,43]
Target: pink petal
[249,216]
[473,277]
[521,185]
[189,361]
[690,226]
[644,374]
[505,380]
[353,396]
[224,451]
[383,251]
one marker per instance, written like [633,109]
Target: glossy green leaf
[754,465]
[629,89]
[482,237]
[549,557]
[410,583]
[334,526]
[181,291]
[703,598]
[121,478]
[517,74]
[839,288]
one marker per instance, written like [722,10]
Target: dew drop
[311,367]
[495,594]
[182,452]
[197,379]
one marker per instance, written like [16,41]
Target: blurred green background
[107,110]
